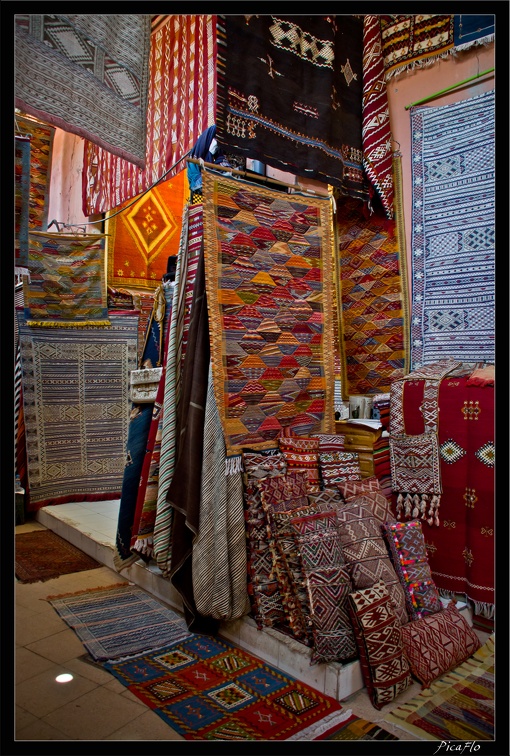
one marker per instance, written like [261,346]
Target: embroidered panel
[303,454]
[281,86]
[103,60]
[414,41]
[76,407]
[384,665]
[337,467]
[453,251]
[372,293]
[268,257]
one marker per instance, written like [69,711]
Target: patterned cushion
[377,503]
[409,556]
[261,465]
[329,442]
[437,643]
[328,585]
[339,466]
[303,454]
[384,666]
[365,552]
[349,489]
[280,493]
[326,500]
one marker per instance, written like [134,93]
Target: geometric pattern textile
[372,296]
[383,662]
[180,106]
[268,264]
[302,454]
[76,405]
[206,689]
[118,621]
[365,552]
[103,60]
[22,197]
[409,555]
[66,286]
[377,157]
[328,583]
[458,706]
[416,475]
[337,467]
[470,31]
[44,555]
[410,42]
[350,489]
[282,85]
[146,234]
[377,504]
[461,551]
[453,256]
[438,643]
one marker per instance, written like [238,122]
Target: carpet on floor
[119,621]
[458,706]
[43,555]
[207,689]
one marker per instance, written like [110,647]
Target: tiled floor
[93,705]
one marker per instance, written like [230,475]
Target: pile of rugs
[330,565]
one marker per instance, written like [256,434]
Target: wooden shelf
[360,438]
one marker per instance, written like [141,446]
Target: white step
[275,648]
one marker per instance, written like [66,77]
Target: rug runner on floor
[43,555]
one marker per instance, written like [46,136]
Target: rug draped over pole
[181,104]
[219,567]
[281,88]
[410,42]
[76,405]
[453,233]
[269,274]
[87,74]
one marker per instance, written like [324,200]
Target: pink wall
[65,200]
[419,83]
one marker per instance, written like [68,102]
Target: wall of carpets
[183,359]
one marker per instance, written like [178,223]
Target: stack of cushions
[378,634]
[302,455]
[281,494]
[335,464]
[266,602]
[365,552]
[438,643]
[328,584]
[409,556]
[368,493]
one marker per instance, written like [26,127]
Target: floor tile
[40,730]
[41,694]
[60,647]
[95,715]
[148,726]
[89,670]
[46,625]
[28,664]
[23,718]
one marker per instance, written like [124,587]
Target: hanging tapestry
[461,550]
[181,105]
[86,74]
[146,234]
[38,150]
[22,198]
[268,262]
[377,156]
[470,31]
[66,286]
[76,403]
[291,95]
[453,244]
[372,290]
[410,42]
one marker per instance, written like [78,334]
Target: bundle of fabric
[460,551]
[281,86]
[415,466]
[180,106]
[103,60]
[381,409]
[382,465]
[119,299]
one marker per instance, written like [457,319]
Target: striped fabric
[219,566]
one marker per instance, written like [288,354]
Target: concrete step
[275,648]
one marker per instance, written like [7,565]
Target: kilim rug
[76,403]
[470,31]
[43,555]
[22,197]
[181,105]
[372,292]
[361,729]
[119,621]
[461,549]
[268,276]
[453,252]
[410,42]
[66,286]
[41,144]
[103,60]
[206,689]
[281,88]
[458,706]
[146,234]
